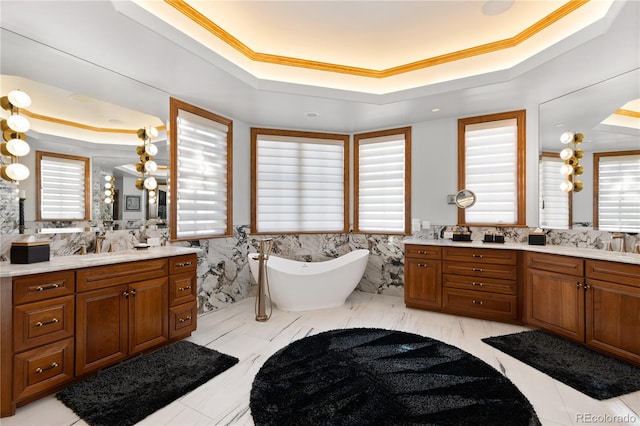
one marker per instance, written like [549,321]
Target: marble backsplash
[223,272]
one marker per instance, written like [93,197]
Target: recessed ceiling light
[559,125]
[312,114]
[496,7]
[435,109]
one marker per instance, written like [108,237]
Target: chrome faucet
[99,240]
[620,236]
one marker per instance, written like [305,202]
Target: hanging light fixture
[571,156]
[14,141]
[146,167]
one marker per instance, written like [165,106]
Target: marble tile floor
[224,400]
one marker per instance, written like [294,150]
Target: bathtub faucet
[261,314]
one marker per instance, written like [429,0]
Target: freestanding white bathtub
[303,286]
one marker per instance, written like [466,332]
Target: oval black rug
[374,376]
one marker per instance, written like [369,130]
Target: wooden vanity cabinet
[480,282]
[423,276]
[183,309]
[43,333]
[555,294]
[593,302]
[121,310]
[613,308]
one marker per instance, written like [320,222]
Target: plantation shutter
[381,184]
[62,188]
[619,193]
[300,184]
[553,202]
[202,177]
[491,171]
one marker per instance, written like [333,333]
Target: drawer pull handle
[477,269]
[184,288]
[478,284]
[53,321]
[477,302]
[422,265]
[125,294]
[42,370]
[480,256]
[422,252]
[48,287]
[578,286]
[184,319]
[183,264]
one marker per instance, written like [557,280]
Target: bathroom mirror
[465,198]
[114,106]
[588,111]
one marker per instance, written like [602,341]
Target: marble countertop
[586,253]
[60,263]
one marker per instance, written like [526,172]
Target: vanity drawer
[42,368]
[481,270]
[184,263]
[487,305]
[422,251]
[182,319]
[120,273]
[43,322]
[42,286]
[621,273]
[555,263]
[492,285]
[470,254]
[182,289]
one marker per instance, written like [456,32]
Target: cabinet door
[555,302]
[613,318]
[423,283]
[101,328]
[148,314]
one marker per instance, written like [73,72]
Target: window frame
[596,181]
[548,154]
[174,106]
[406,132]
[520,178]
[87,185]
[255,132]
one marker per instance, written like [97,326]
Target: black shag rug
[372,376]
[588,371]
[128,392]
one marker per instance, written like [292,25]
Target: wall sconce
[109,188]
[14,141]
[571,156]
[147,166]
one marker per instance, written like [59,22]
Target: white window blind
[201,176]
[381,184]
[619,193]
[299,184]
[553,202]
[491,171]
[62,188]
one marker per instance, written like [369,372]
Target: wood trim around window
[570,199]
[596,178]
[87,185]
[255,131]
[174,106]
[520,116]
[406,131]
